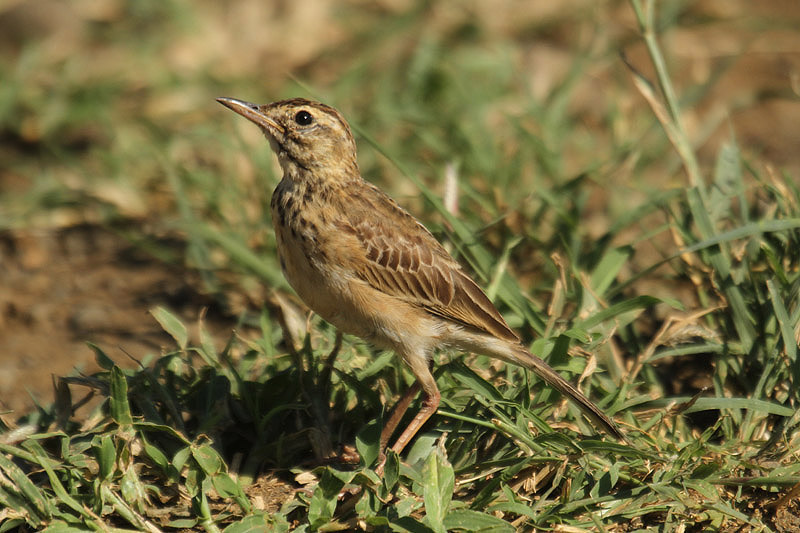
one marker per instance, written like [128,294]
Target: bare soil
[62,288]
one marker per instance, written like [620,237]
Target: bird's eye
[303,118]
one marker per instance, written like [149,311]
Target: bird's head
[306,135]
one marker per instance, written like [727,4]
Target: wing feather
[401,258]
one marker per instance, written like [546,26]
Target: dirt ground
[63,288]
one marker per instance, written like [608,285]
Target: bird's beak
[253,113]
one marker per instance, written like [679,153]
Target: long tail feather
[524,358]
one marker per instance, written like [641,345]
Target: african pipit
[371,269]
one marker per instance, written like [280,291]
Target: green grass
[181,441]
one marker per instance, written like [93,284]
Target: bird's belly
[320,286]
[350,304]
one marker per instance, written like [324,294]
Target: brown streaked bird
[371,269]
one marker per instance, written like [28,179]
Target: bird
[371,269]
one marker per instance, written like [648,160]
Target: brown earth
[63,288]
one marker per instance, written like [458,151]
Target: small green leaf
[207,349]
[225,486]
[120,408]
[157,457]
[705,470]
[407,523]
[131,489]
[608,268]
[180,457]
[106,456]
[391,470]
[172,325]
[183,523]
[368,506]
[13,524]
[323,500]
[100,357]
[208,459]
[193,481]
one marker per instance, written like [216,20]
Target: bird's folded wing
[401,258]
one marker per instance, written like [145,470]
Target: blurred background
[124,185]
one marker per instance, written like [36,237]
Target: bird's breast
[303,234]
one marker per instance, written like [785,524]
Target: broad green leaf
[256,523]
[368,442]
[468,520]
[437,491]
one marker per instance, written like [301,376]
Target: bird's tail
[522,357]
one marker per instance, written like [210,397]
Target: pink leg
[429,406]
[399,410]
[419,366]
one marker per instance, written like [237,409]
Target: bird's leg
[399,410]
[420,367]
[429,406]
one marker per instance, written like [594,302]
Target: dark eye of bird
[303,118]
